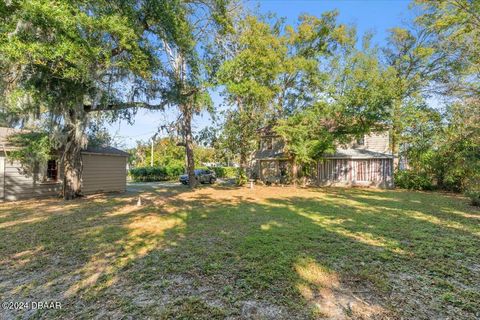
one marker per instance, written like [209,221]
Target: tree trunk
[71,161]
[187,131]
[242,175]
[294,172]
[243,160]
[242,178]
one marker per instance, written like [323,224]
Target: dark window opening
[52,170]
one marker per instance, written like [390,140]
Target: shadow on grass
[222,251]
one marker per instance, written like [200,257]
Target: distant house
[365,162]
[104,170]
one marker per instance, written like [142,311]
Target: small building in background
[365,162]
[104,170]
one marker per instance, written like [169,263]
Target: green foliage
[249,75]
[356,98]
[225,172]
[144,174]
[59,60]
[439,56]
[305,139]
[241,177]
[172,172]
[251,72]
[473,192]
[167,153]
[34,149]
[64,48]
[444,148]
[407,179]
[185,29]
[98,136]
[455,24]
[273,70]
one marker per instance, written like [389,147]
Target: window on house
[361,141]
[269,143]
[52,170]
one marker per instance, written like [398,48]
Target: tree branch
[124,105]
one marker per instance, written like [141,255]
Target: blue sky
[367,15]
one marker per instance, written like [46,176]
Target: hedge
[165,173]
[225,172]
[144,174]
[407,179]
[222,172]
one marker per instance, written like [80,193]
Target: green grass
[227,252]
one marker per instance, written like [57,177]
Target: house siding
[104,173]
[377,141]
[18,185]
[101,173]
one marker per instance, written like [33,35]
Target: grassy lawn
[267,253]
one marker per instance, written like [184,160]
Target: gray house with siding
[104,170]
[364,162]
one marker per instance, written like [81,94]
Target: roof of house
[5,145]
[339,154]
[358,154]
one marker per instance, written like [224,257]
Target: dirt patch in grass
[224,252]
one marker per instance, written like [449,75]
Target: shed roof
[105,150]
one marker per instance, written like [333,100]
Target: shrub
[174,171]
[241,177]
[474,196]
[225,172]
[144,174]
[408,179]
[472,190]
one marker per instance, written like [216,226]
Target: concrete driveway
[144,186]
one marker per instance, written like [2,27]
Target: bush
[241,177]
[225,172]
[474,196]
[472,190]
[408,179]
[172,172]
[146,174]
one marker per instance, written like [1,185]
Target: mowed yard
[225,252]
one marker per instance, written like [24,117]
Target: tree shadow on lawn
[448,207]
[193,254]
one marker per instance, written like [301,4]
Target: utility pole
[151,154]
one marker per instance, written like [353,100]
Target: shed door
[2,178]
